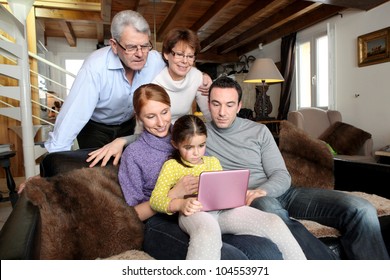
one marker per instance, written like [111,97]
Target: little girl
[205,228]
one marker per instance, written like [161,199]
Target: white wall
[371,110]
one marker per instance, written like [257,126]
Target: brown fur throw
[83,215]
[381,204]
[308,160]
[318,230]
[130,255]
[344,138]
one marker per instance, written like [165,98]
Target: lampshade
[264,70]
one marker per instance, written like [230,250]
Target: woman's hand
[207,81]
[253,194]
[187,185]
[113,149]
[190,206]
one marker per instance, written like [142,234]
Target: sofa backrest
[59,162]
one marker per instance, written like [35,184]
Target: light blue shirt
[102,93]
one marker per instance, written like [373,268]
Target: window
[73,66]
[313,83]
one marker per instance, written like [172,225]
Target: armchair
[318,122]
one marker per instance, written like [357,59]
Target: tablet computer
[223,189]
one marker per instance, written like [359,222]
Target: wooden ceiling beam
[181,7]
[105,11]
[70,5]
[142,5]
[211,13]
[292,11]
[100,33]
[68,32]
[68,15]
[322,13]
[250,11]
[364,5]
[105,14]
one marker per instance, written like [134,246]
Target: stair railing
[19,69]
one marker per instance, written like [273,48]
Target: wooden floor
[5,207]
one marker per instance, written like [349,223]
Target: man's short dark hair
[226,82]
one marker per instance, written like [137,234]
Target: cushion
[344,138]
[308,160]
[83,215]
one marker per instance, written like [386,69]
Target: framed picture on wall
[374,47]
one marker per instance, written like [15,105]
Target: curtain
[287,55]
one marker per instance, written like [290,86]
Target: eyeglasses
[181,56]
[132,49]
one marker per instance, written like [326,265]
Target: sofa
[20,237]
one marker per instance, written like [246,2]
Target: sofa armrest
[18,235]
[367,148]
[60,162]
[373,178]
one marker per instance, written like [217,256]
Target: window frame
[312,39]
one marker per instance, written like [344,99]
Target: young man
[244,144]
[99,106]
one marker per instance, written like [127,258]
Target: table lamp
[265,72]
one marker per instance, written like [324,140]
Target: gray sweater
[250,145]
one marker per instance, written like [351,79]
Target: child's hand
[187,185]
[190,206]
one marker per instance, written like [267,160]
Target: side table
[5,162]
[384,155]
[273,126]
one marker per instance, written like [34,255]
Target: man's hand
[207,81]
[253,194]
[113,149]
